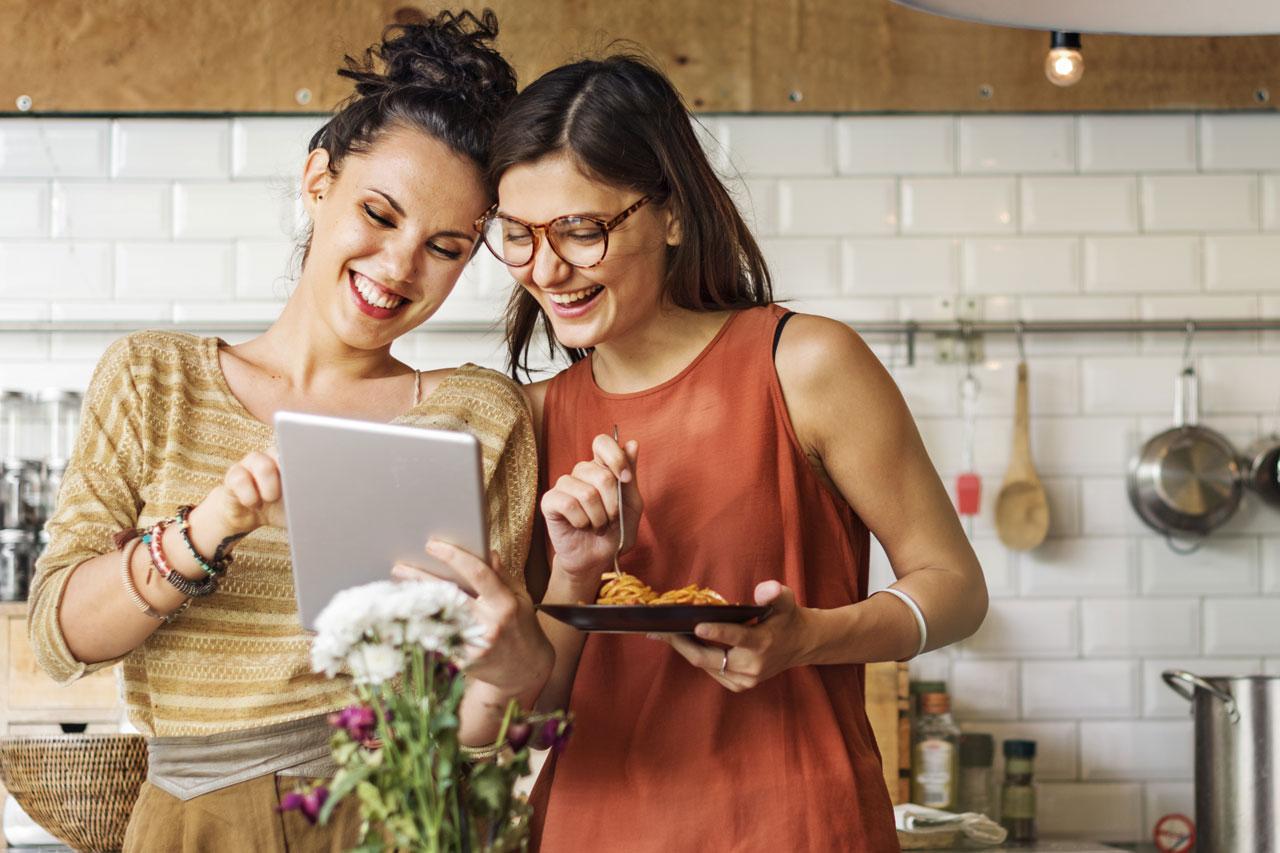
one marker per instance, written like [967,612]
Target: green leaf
[342,753]
[490,787]
[343,782]
[371,801]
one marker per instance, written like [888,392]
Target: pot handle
[1178,679]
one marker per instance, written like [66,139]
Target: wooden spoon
[1022,511]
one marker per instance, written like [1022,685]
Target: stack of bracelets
[213,568]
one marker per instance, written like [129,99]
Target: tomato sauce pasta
[620,588]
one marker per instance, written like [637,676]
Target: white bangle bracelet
[915,611]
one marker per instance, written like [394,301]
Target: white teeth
[576,296]
[371,295]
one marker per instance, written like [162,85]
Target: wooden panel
[886,688]
[873,55]
[836,56]
[255,55]
[29,689]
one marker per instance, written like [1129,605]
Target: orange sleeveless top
[662,758]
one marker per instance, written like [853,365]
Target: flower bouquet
[397,750]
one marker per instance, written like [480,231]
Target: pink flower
[553,734]
[313,802]
[359,721]
[518,735]
[291,801]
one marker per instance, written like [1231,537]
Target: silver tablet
[361,496]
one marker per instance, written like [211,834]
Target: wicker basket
[80,788]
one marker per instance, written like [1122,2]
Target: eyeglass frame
[605,228]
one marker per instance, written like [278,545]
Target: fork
[622,527]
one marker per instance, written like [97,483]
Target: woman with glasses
[759,450]
[176,441]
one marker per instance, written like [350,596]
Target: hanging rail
[910,329]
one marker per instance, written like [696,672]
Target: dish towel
[977,830]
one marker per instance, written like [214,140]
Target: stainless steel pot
[1261,465]
[1186,480]
[1237,752]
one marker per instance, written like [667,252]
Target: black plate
[646,619]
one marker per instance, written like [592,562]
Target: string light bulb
[1064,64]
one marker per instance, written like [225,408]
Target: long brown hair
[625,124]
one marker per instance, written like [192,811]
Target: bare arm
[98,620]
[832,380]
[854,426]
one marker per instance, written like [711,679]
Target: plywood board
[28,689]
[258,56]
[873,55]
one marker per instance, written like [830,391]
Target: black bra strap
[777,331]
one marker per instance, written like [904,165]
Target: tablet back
[361,496]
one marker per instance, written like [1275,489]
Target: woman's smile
[574,303]
[373,299]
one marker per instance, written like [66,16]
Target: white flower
[365,626]
[375,663]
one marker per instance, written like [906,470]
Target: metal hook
[1186,345]
[1020,329]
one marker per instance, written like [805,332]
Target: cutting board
[888,711]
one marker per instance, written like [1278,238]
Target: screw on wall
[965,345]
[986,91]
[302,96]
[24,103]
[1261,95]
[795,96]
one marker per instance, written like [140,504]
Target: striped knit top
[160,428]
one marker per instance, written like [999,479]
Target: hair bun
[449,55]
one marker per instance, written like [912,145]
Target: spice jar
[935,765]
[15,564]
[977,751]
[1018,796]
[62,419]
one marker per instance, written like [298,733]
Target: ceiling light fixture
[1128,17]
[1064,64]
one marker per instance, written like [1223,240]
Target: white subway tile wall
[1056,217]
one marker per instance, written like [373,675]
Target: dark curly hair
[439,75]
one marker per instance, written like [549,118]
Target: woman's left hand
[747,655]
[518,656]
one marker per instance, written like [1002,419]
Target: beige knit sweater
[160,429]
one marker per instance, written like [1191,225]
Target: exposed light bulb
[1064,65]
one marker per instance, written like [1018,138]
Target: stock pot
[1237,756]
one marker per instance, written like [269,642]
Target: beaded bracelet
[219,564]
[131,589]
[188,588]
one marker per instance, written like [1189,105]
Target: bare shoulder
[831,380]
[814,351]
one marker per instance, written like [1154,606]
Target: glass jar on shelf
[935,765]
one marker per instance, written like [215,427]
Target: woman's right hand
[250,496]
[581,510]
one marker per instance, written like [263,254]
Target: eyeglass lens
[580,242]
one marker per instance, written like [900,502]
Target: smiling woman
[176,442]
[763,448]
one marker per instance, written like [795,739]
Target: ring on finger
[724,664]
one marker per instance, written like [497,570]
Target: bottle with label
[935,766]
[977,750]
[1018,797]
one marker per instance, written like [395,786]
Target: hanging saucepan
[1185,481]
[1261,465]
